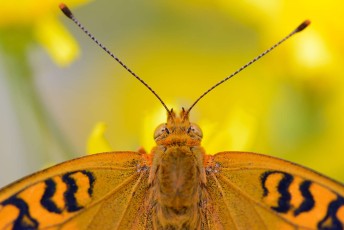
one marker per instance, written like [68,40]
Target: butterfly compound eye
[161,131]
[195,130]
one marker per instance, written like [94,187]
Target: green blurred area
[287,105]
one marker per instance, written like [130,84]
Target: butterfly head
[178,130]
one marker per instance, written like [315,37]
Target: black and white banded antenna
[70,15]
[301,27]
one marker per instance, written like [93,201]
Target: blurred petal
[237,133]
[61,46]
[311,51]
[26,12]
[97,142]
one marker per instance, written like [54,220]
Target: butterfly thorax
[177,175]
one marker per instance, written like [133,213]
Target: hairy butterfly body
[176,186]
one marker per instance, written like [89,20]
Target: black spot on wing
[308,200]
[69,196]
[24,219]
[46,200]
[284,200]
[263,179]
[92,179]
[282,188]
[331,221]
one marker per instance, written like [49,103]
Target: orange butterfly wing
[106,188]
[253,191]
[109,190]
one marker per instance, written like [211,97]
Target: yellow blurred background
[56,84]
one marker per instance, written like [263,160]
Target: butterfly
[177,186]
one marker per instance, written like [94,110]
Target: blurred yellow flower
[235,133]
[312,51]
[298,115]
[288,105]
[41,18]
[97,142]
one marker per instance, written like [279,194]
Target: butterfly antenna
[301,27]
[70,15]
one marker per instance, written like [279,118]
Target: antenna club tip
[303,25]
[66,10]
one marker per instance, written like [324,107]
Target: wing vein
[131,197]
[222,195]
[233,169]
[224,179]
[106,196]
